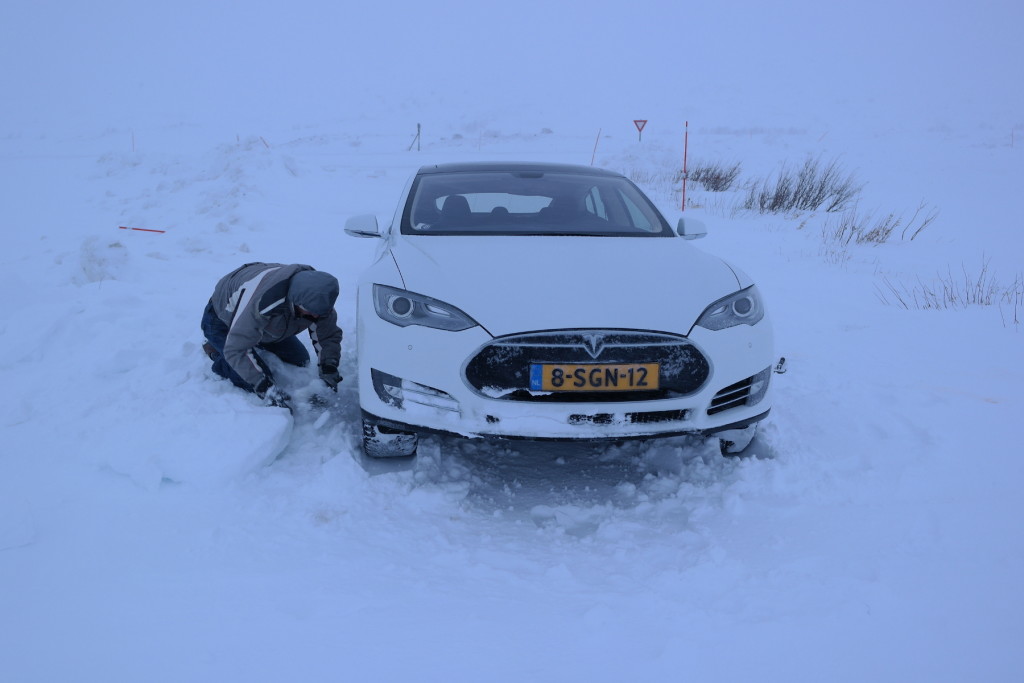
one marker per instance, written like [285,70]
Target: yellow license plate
[594,377]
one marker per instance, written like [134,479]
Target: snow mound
[210,449]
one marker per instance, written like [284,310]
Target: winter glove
[329,374]
[271,394]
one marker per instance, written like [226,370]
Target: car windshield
[529,203]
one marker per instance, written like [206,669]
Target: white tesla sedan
[545,301]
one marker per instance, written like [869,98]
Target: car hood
[518,284]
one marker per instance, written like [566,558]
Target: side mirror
[691,229]
[363,225]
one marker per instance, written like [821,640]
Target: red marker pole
[141,229]
[686,148]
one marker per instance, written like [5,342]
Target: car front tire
[735,441]
[383,442]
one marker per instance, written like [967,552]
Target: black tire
[384,442]
[727,449]
[733,449]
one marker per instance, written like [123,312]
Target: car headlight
[740,308]
[403,308]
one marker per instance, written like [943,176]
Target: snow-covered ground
[157,524]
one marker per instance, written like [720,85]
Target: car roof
[515,167]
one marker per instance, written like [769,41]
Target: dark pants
[289,350]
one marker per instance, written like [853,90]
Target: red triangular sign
[640,123]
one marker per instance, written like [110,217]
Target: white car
[545,301]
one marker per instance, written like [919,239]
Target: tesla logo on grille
[594,344]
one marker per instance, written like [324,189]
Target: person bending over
[261,307]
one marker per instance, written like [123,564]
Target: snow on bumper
[415,377]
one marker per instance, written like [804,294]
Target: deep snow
[157,524]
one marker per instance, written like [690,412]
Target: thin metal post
[686,149]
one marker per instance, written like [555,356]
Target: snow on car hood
[519,284]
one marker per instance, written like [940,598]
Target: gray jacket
[257,302]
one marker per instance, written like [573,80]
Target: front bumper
[605,435]
[413,379]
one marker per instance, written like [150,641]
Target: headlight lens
[740,308]
[403,308]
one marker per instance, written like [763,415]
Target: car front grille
[648,418]
[501,369]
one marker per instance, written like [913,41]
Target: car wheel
[735,441]
[383,442]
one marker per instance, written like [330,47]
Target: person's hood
[314,290]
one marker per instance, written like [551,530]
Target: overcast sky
[121,63]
